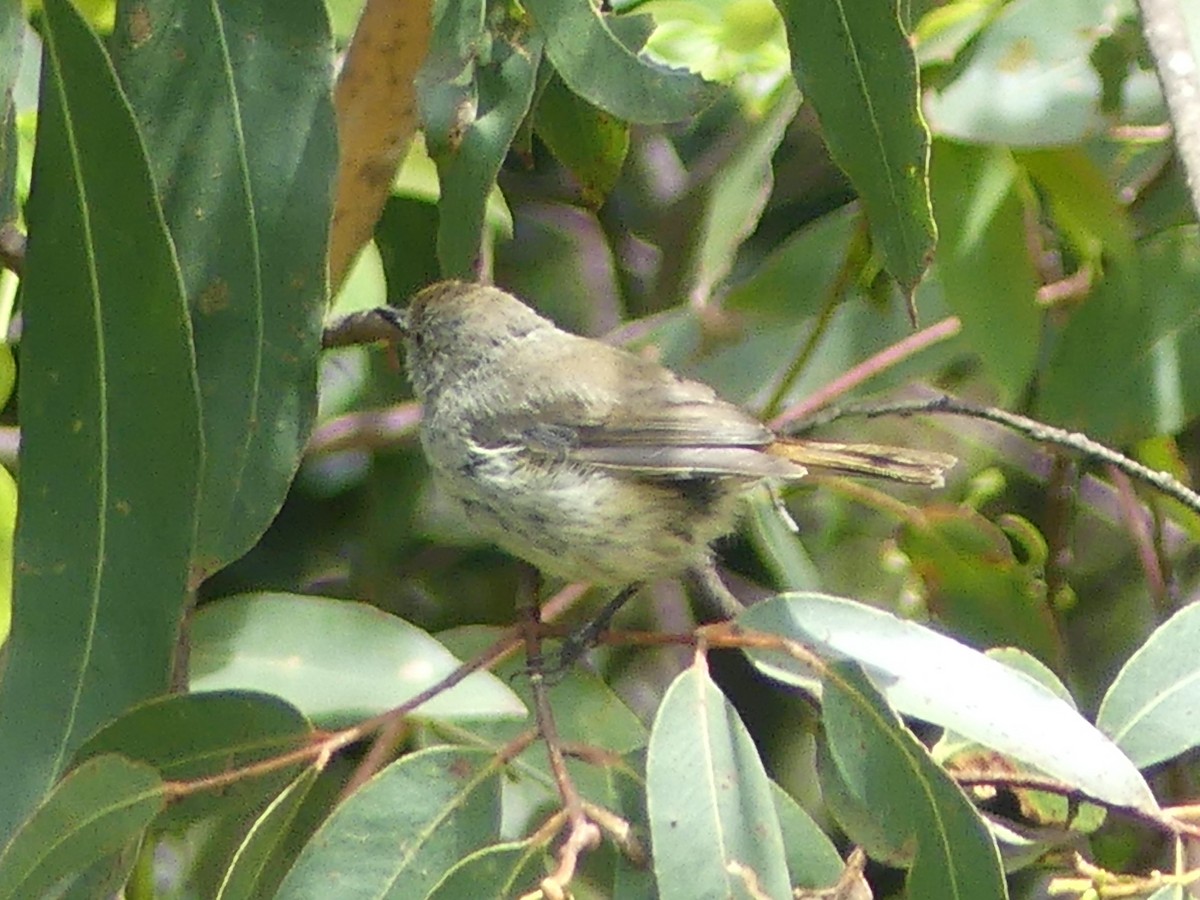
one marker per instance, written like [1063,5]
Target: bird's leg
[714,601]
[584,639]
[583,833]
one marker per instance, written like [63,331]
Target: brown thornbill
[587,460]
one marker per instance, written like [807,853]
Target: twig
[1032,782]
[370,326]
[1037,431]
[12,249]
[1185,813]
[517,745]
[1167,35]
[1140,535]
[1100,883]
[1058,519]
[1073,288]
[869,368]
[583,834]
[850,884]
[391,723]
[833,298]
[377,757]
[364,430]
[621,833]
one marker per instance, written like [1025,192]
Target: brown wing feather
[642,418]
[630,401]
[925,467]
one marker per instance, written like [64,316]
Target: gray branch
[1166,30]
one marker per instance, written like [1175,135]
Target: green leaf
[1021,843]
[446,87]
[746,370]
[739,193]
[739,42]
[8,374]
[945,30]
[625,795]
[406,237]
[234,99]
[712,818]
[936,679]
[108,876]
[250,870]
[599,68]
[8,160]
[1139,337]
[812,256]
[333,659]
[854,63]
[1152,706]
[1115,324]
[92,813]
[983,260]
[1170,892]
[12,30]
[812,859]
[104,550]
[401,831]
[1083,203]
[923,813]
[501,870]
[1029,80]
[786,559]
[192,737]
[234,846]
[975,584]
[8,527]
[586,710]
[471,109]
[417,179]
[588,141]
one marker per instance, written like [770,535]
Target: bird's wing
[634,416]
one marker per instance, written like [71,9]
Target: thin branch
[381,752]
[1168,36]
[1037,431]
[330,743]
[368,429]
[869,368]
[12,249]
[1138,526]
[833,300]
[1105,885]
[621,832]
[582,834]
[388,723]
[1032,782]
[1057,522]
[371,326]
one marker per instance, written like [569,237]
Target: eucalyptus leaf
[105,551]
[1151,708]
[934,678]
[599,68]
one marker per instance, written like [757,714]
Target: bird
[589,461]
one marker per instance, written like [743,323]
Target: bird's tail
[925,467]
